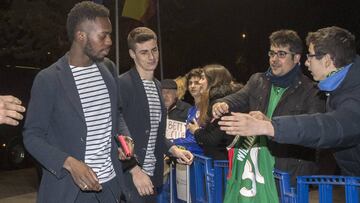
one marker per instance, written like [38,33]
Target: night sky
[194,33]
[210,31]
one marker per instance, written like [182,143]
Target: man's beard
[89,51]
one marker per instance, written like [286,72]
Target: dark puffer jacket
[338,127]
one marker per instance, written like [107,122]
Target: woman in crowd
[194,87]
[216,82]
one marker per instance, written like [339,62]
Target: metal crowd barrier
[208,184]
[325,187]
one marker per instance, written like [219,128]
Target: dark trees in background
[32,32]
[194,33]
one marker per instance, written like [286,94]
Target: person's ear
[297,58]
[328,62]
[80,36]
[132,53]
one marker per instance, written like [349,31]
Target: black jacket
[135,109]
[338,127]
[180,111]
[300,97]
[213,140]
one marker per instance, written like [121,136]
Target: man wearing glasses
[332,61]
[281,90]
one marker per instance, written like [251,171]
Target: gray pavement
[18,186]
[24,198]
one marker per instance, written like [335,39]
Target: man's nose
[151,56]
[108,41]
[274,58]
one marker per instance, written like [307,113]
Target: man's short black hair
[287,38]
[83,11]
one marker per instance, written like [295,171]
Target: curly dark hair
[83,11]
[335,41]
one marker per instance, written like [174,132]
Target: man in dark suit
[73,116]
[145,115]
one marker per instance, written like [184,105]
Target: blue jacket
[338,127]
[189,142]
[55,128]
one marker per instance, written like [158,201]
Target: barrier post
[171,183]
[202,168]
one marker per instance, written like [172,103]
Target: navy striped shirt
[155,117]
[95,101]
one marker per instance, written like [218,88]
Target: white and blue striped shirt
[155,117]
[95,101]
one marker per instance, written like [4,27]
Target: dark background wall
[193,33]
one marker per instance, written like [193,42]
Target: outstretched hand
[10,110]
[219,109]
[259,115]
[245,125]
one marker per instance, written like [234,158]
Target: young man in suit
[145,115]
[73,116]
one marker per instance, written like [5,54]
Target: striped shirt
[155,117]
[95,101]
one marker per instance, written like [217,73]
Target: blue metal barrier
[325,184]
[210,184]
[220,171]
[287,193]
[202,169]
[215,175]
[211,177]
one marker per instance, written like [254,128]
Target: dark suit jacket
[55,128]
[136,113]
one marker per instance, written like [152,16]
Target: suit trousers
[110,193]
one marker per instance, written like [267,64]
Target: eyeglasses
[279,54]
[309,56]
